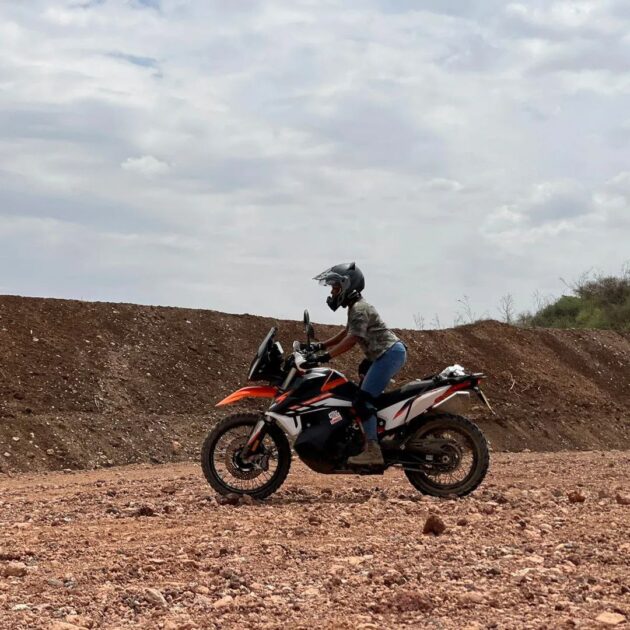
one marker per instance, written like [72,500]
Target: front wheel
[461,461]
[258,475]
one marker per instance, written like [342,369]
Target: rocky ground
[544,543]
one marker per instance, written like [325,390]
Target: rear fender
[255,391]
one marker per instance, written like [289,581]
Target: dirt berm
[86,385]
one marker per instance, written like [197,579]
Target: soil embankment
[85,385]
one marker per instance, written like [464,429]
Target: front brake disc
[236,467]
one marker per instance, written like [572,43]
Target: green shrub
[599,302]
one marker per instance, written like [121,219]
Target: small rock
[576,496]
[176,447]
[145,510]
[224,602]
[310,592]
[610,619]
[473,598]
[169,488]
[246,499]
[153,596]
[622,499]
[434,525]
[412,601]
[14,569]
[80,620]
[19,607]
[203,601]
[228,499]
[54,582]
[355,561]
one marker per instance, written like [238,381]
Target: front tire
[450,424]
[221,449]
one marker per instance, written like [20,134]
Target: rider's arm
[333,341]
[347,343]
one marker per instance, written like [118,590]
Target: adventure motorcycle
[314,409]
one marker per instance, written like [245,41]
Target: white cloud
[614,202]
[442,183]
[562,209]
[146,165]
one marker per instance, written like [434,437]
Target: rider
[381,346]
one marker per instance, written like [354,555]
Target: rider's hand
[318,358]
[311,347]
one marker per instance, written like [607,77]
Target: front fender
[255,391]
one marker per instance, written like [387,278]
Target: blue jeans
[377,378]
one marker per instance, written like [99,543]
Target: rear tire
[245,420]
[481,457]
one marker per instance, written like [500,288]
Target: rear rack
[454,380]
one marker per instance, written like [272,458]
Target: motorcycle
[315,411]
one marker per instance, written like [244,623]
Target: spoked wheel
[260,474]
[459,460]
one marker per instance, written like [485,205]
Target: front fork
[255,438]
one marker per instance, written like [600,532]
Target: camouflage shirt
[366,324]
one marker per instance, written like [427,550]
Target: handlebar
[299,360]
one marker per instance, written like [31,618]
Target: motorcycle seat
[406,391]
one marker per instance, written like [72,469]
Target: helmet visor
[329,278]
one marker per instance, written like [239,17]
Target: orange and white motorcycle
[317,410]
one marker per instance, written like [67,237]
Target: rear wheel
[462,462]
[259,475]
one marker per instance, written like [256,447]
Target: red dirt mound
[96,384]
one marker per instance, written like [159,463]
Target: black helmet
[351,280]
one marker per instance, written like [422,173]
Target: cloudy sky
[220,153]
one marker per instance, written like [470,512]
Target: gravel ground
[544,543]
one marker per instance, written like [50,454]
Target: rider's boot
[371,455]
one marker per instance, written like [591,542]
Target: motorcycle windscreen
[322,441]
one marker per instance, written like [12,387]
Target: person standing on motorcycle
[380,345]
